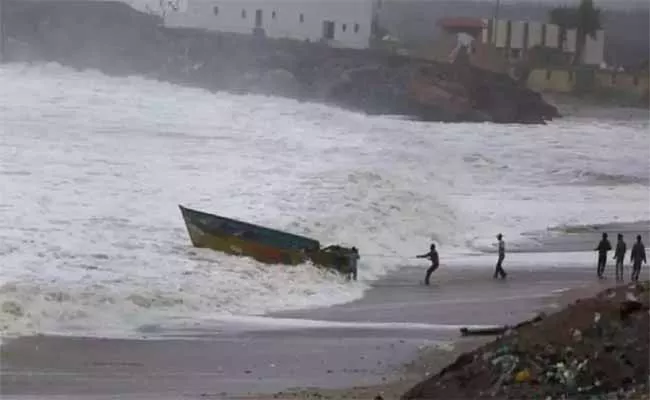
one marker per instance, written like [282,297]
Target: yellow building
[635,86]
[620,81]
[551,80]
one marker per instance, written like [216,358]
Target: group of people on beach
[432,255]
[637,257]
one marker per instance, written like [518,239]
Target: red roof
[461,23]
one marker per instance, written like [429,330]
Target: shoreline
[243,361]
[430,360]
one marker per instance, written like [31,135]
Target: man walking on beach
[433,256]
[637,256]
[502,254]
[603,247]
[619,256]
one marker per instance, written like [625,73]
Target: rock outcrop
[118,40]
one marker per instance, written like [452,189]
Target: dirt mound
[597,346]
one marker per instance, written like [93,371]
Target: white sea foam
[92,169]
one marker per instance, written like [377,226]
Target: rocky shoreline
[117,40]
[595,348]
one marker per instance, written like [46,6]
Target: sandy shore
[370,342]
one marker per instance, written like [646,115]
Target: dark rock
[630,306]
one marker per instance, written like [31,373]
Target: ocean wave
[93,242]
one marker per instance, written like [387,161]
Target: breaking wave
[93,168]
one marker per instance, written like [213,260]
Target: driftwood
[498,330]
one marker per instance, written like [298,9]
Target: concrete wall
[292,19]
[535,34]
[501,27]
[571,40]
[564,81]
[552,36]
[637,84]
[517,35]
[543,80]
[594,51]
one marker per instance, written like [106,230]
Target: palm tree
[585,19]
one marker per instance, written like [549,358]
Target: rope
[385,256]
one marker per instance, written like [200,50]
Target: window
[328,30]
[344,27]
[273,14]
[243,14]
[356,28]
[215,10]
[302,18]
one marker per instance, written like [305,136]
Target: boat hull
[242,239]
[265,245]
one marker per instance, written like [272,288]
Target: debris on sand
[594,348]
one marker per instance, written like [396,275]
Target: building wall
[517,34]
[552,36]
[540,34]
[501,27]
[594,51]
[292,19]
[564,81]
[637,84]
[571,41]
[535,34]
[547,80]
[483,55]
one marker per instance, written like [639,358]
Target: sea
[93,169]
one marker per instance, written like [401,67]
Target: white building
[340,23]
[519,36]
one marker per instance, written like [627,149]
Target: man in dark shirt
[502,254]
[603,247]
[619,256]
[637,256]
[433,256]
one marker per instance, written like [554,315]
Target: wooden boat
[263,244]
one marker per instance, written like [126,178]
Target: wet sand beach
[365,343]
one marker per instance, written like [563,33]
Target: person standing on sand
[603,247]
[502,254]
[637,256]
[353,261]
[619,256]
[433,256]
